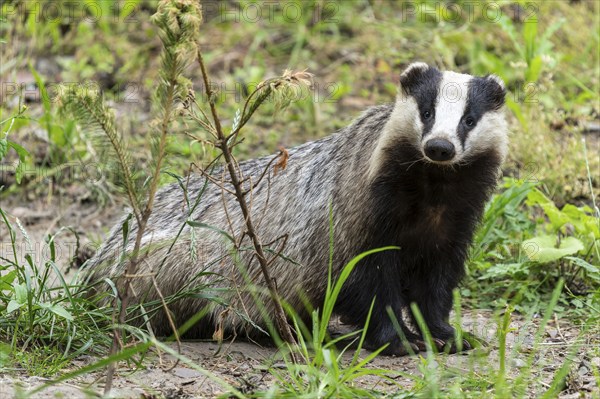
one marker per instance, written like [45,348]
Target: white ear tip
[415,65]
[497,79]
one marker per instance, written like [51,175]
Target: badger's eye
[469,121]
[427,114]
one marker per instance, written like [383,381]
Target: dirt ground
[244,365]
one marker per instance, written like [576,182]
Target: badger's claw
[448,346]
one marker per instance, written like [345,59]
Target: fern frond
[92,115]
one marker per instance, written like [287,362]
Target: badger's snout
[439,150]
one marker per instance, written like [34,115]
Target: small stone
[183,372]
[518,363]
[591,127]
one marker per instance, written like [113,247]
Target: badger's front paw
[449,345]
[398,347]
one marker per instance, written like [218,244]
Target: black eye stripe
[423,85]
[484,95]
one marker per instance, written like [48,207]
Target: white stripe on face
[490,133]
[449,109]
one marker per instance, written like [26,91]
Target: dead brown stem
[280,318]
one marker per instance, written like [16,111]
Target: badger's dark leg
[433,296]
[434,303]
[368,282]
[381,331]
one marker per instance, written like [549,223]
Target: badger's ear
[496,90]
[414,67]
[497,79]
[412,76]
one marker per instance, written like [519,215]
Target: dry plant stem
[171,321]
[280,318]
[142,222]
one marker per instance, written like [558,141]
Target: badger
[415,175]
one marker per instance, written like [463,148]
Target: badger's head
[449,118]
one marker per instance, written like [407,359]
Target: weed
[43,316]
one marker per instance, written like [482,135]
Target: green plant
[572,235]
[61,134]
[528,243]
[6,144]
[44,318]
[325,370]
[480,375]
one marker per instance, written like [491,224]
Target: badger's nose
[439,150]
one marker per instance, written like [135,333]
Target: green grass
[45,320]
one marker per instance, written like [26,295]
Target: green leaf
[43,93]
[128,7]
[544,44]
[332,294]
[505,269]
[19,173]
[534,69]
[515,107]
[593,271]
[543,248]
[557,218]
[584,224]
[125,229]
[529,36]
[21,152]
[12,306]
[193,223]
[509,28]
[20,293]
[58,310]
[6,281]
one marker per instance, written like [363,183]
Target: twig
[216,182]
[557,322]
[267,200]
[170,319]
[229,222]
[280,317]
[278,252]
[208,127]
[263,174]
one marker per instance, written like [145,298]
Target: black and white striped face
[451,117]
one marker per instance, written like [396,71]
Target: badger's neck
[399,128]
